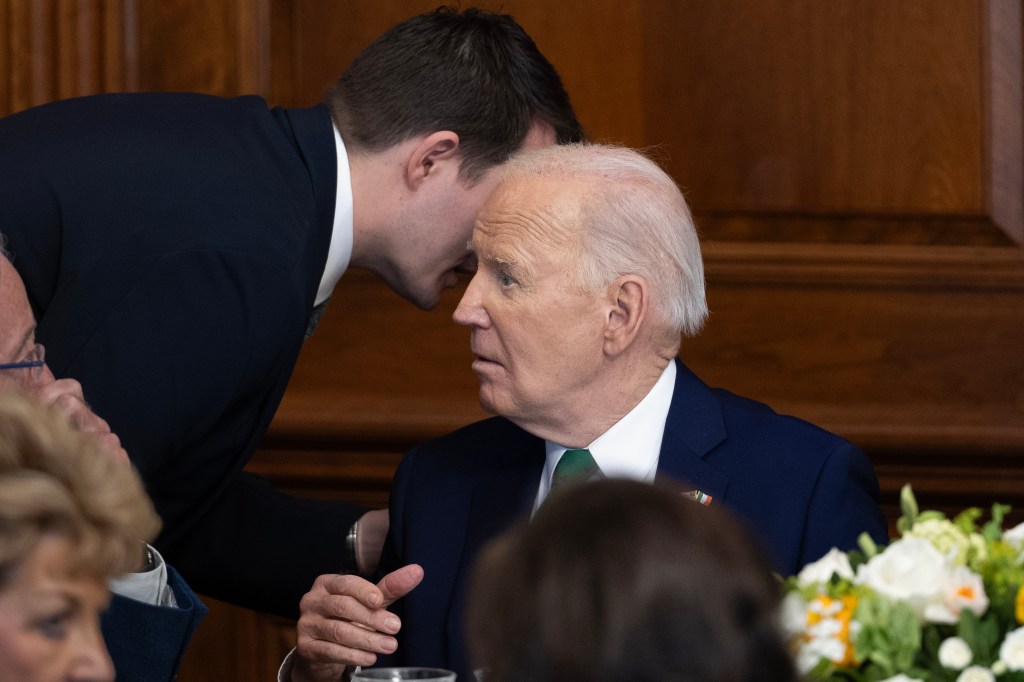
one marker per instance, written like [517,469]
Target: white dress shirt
[149,586]
[340,253]
[631,447]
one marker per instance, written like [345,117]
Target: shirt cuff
[149,587]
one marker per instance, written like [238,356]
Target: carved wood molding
[921,268]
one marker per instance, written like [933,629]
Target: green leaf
[867,545]
[908,509]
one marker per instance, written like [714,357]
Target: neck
[602,403]
[376,199]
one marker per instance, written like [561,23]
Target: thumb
[400,582]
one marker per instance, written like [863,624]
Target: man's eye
[505,279]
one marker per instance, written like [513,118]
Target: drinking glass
[401,674]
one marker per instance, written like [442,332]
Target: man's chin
[422,299]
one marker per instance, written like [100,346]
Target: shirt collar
[341,237]
[631,447]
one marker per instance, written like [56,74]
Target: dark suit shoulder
[748,416]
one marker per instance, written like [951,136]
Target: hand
[67,395]
[344,622]
[372,531]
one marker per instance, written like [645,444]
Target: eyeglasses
[33,363]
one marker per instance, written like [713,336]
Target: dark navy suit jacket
[801,491]
[147,642]
[172,246]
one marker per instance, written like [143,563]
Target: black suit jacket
[801,491]
[172,246]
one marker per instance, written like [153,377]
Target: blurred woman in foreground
[71,517]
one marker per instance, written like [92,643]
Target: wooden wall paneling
[31,56]
[831,112]
[219,48]
[1004,58]
[54,50]
[596,45]
[911,348]
[6,54]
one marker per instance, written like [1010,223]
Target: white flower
[1011,652]
[966,590]
[825,608]
[820,572]
[793,614]
[1015,536]
[955,654]
[826,627]
[817,649]
[976,673]
[806,659]
[949,539]
[902,678]
[909,570]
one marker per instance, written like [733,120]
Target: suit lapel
[693,429]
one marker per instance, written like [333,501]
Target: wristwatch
[350,547]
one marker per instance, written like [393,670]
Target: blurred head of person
[621,581]
[71,517]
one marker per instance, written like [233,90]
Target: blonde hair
[55,479]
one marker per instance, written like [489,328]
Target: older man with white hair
[589,274]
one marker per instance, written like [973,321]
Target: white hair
[635,221]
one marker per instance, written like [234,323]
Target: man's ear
[627,308]
[435,153]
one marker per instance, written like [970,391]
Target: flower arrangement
[943,602]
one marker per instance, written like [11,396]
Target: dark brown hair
[620,581]
[474,72]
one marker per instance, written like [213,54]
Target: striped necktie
[575,466]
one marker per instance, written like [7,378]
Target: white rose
[820,572]
[902,678]
[976,673]
[955,654]
[909,570]
[1011,652]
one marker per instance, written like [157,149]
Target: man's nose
[470,312]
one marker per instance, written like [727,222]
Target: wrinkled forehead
[532,212]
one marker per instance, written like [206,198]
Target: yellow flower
[1019,604]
